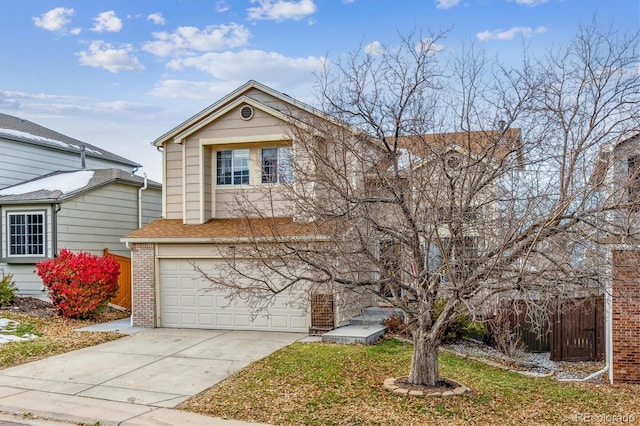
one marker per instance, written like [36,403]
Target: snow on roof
[64,182]
[36,138]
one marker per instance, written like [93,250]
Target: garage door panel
[188,301]
[205,301]
[206,319]
[224,320]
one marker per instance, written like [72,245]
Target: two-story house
[225,172]
[236,149]
[58,192]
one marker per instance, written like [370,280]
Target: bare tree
[428,180]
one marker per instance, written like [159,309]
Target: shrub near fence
[530,326]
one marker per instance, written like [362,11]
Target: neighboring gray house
[28,150]
[57,192]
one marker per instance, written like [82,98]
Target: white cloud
[75,31]
[194,90]
[104,55]
[156,18]
[281,10]
[246,64]
[427,45]
[374,48]
[221,6]
[186,40]
[55,19]
[530,2]
[446,4]
[510,33]
[107,21]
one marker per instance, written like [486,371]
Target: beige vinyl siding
[23,161]
[232,125]
[98,220]
[266,99]
[192,181]
[208,198]
[173,180]
[198,204]
[268,200]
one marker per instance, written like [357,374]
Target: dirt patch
[32,306]
[441,386]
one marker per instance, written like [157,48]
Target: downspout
[55,209]
[608,328]
[144,187]
[590,376]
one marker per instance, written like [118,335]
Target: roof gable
[242,100]
[243,94]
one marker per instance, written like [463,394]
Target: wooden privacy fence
[516,318]
[532,327]
[577,329]
[123,296]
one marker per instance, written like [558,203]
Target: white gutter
[144,187]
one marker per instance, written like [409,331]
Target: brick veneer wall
[143,288]
[625,316]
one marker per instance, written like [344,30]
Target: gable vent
[246,112]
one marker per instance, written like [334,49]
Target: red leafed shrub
[80,285]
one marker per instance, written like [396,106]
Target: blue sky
[120,73]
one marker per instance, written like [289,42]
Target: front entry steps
[363,329]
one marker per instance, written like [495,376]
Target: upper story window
[232,167]
[26,234]
[277,166]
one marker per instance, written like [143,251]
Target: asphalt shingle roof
[234,228]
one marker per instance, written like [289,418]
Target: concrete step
[374,315]
[355,334]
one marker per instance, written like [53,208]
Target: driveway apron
[157,367]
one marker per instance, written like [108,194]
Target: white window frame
[235,156]
[28,234]
[283,167]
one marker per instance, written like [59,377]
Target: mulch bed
[441,386]
[30,305]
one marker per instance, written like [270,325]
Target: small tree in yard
[80,285]
[424,192]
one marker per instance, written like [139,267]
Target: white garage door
[187,301]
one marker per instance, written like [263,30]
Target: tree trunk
[424,363]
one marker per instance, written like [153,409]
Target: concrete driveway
[157,367]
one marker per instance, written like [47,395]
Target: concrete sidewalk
[135,380]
